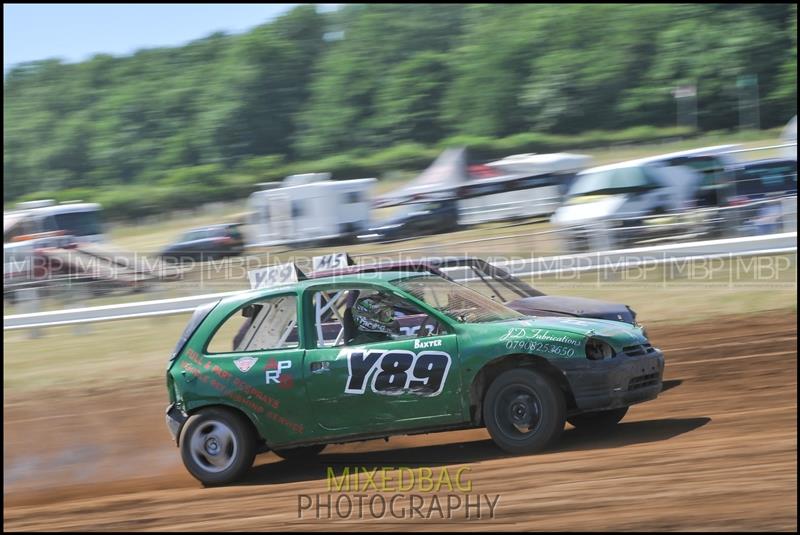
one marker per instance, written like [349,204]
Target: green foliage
[372,88]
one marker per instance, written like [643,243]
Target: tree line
[339,88]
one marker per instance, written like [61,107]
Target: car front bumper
[175,419]
[618,382]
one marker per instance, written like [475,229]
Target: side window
[234,233]
[297,209]
[365,315]
[773,178]
[267,324]
[192,235]
[49,224]
[778,177]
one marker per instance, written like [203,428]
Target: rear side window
[194,235]
[199,315]
[270,323]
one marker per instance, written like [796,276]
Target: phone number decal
[534,346]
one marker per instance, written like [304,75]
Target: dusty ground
[716,451]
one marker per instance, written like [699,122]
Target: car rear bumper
[618,382]
[175,419]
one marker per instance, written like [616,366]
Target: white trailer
[308,208]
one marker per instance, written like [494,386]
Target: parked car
[206,243]
[338,359]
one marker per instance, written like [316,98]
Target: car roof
[396,265]
[703,151]
[212,227]
[768,161]
[376,276]
[432,264]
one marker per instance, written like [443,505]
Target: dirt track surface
[716,451]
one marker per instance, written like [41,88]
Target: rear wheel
[300,454]
[523,411]
[598,421]
[217,446]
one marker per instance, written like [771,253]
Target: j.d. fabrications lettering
[537,334]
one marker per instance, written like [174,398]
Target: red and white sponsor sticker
[245,363]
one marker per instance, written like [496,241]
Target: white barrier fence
[678,252]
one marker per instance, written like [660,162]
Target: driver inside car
[373,320]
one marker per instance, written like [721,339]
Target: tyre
[300,454]
[217,446]
[523,411]
[598,421]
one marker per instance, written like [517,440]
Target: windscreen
[456,301]
[612,180]
[491,281]
[79,223]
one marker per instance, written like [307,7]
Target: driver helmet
[375,314]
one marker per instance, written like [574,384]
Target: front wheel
[598,421]
[300,454]
[217,446]
[524,411]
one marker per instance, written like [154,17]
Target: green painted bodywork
[313,407]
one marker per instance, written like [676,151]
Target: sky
[75,32]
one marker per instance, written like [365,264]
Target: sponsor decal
[422,344]
[396,371]
[413,330]
[245,363]
[239,391]
[539,340]
[537,334]
[532,346]
[275,373]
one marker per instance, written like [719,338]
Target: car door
[259,354]
[193,244]
[361,387]
[208,244]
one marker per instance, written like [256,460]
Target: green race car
[356,357]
